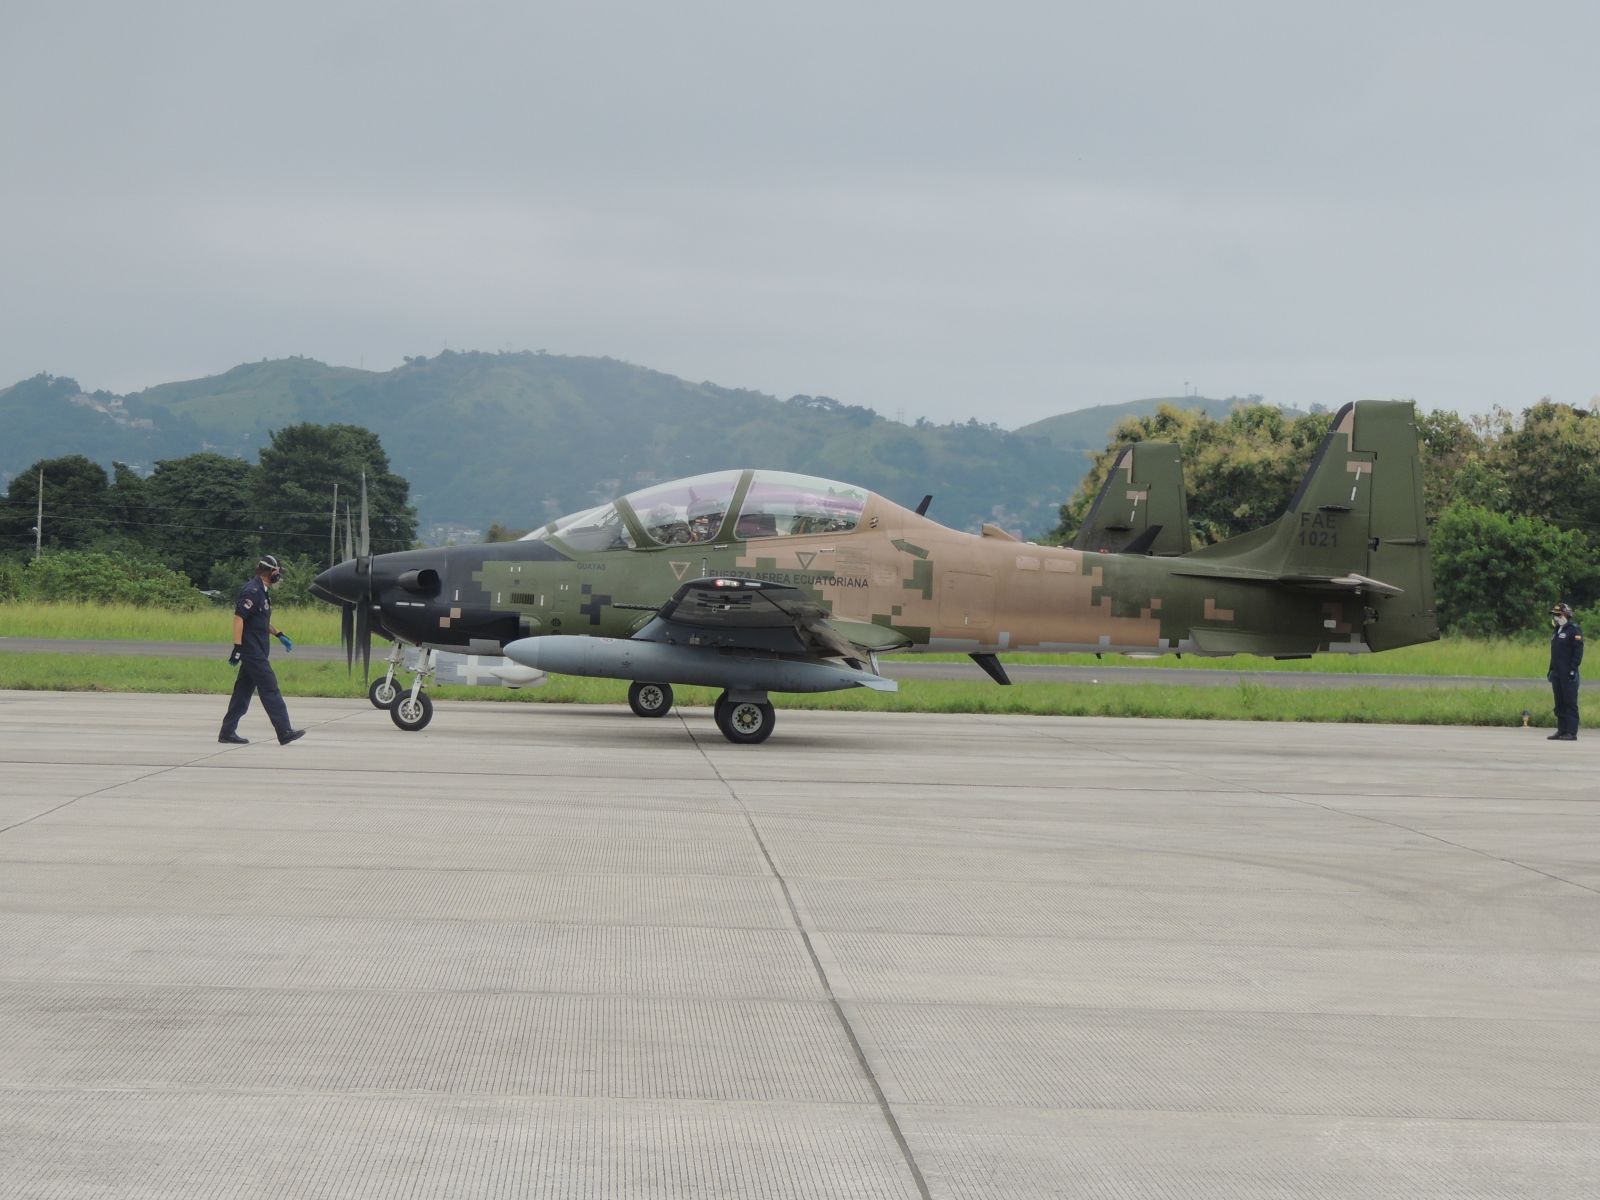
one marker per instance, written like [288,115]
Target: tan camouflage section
[1346,569]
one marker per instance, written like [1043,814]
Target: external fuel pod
[659,662]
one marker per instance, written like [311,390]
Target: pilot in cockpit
[666,526]
[705,518]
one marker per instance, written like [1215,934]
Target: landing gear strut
[383,693]
[745,721]
[650,699]
[413,709]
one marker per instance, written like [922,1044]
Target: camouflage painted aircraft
[763,581]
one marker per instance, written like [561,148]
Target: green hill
[1087,429]
[520,438]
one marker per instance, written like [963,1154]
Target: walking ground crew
[1566,652]
[252,629]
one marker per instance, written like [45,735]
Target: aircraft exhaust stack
[660,662]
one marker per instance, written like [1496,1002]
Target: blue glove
[233,659]
[287,644]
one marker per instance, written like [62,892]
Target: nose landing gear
[413,709]
[383,693]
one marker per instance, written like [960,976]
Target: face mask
[1557,622]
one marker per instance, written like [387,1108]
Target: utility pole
[38,522]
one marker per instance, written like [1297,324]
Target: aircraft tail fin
[1355,525]
[1141,508]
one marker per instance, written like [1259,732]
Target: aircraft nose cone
[338,585]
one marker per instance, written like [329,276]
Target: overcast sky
[1000,210]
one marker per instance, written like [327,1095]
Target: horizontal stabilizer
[1349,582]
[1143,542]
[1345,583]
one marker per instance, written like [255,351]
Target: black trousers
[1566,690]
[255,675]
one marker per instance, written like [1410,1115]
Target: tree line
[1512,500]
[200,521]
[1512,504]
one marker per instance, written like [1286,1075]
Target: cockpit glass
[685,510]
[593,529]
[779,504]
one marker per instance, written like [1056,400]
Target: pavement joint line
[1422,833]
[1303,799]
[205,763]
[1338,1014]
[710,1102]
[107,788]
[843,1019]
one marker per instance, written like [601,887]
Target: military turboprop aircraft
[763,581]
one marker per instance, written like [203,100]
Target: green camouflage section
[1346,568]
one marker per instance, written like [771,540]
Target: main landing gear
[650,699]
[746,721]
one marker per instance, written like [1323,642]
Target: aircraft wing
[754,614]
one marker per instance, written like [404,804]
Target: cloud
[928,208]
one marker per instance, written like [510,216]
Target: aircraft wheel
[412,714]
[383,693]
[744,722]
[650,699]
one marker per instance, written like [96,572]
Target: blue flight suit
[255,672]
[1566,652]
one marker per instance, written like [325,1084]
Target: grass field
[1478,705]
[319,625]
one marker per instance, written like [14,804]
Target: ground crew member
[1566,652]
[252,627]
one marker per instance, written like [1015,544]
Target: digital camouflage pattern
[849,574]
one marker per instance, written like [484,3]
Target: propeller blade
[349,537]
[333,529]
[347,634]
[366,533]
[364,636]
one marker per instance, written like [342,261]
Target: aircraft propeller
[355,616]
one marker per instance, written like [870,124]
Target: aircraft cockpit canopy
[599,528]
[738,505]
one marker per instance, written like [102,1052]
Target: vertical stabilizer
[1141,508]
[1355,527]
[1399,553]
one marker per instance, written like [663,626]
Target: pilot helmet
[1560,611]
[706,514]
[662,515]
[270,564]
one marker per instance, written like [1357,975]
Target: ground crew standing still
[252,629]
[1566,652]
